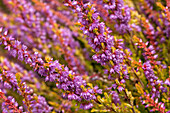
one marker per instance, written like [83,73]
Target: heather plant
[84,56]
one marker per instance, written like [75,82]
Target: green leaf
[18,75]
[139,89]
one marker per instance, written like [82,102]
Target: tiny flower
[120,88]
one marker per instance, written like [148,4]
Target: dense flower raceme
[157,85]
[52,70]
[106,47]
